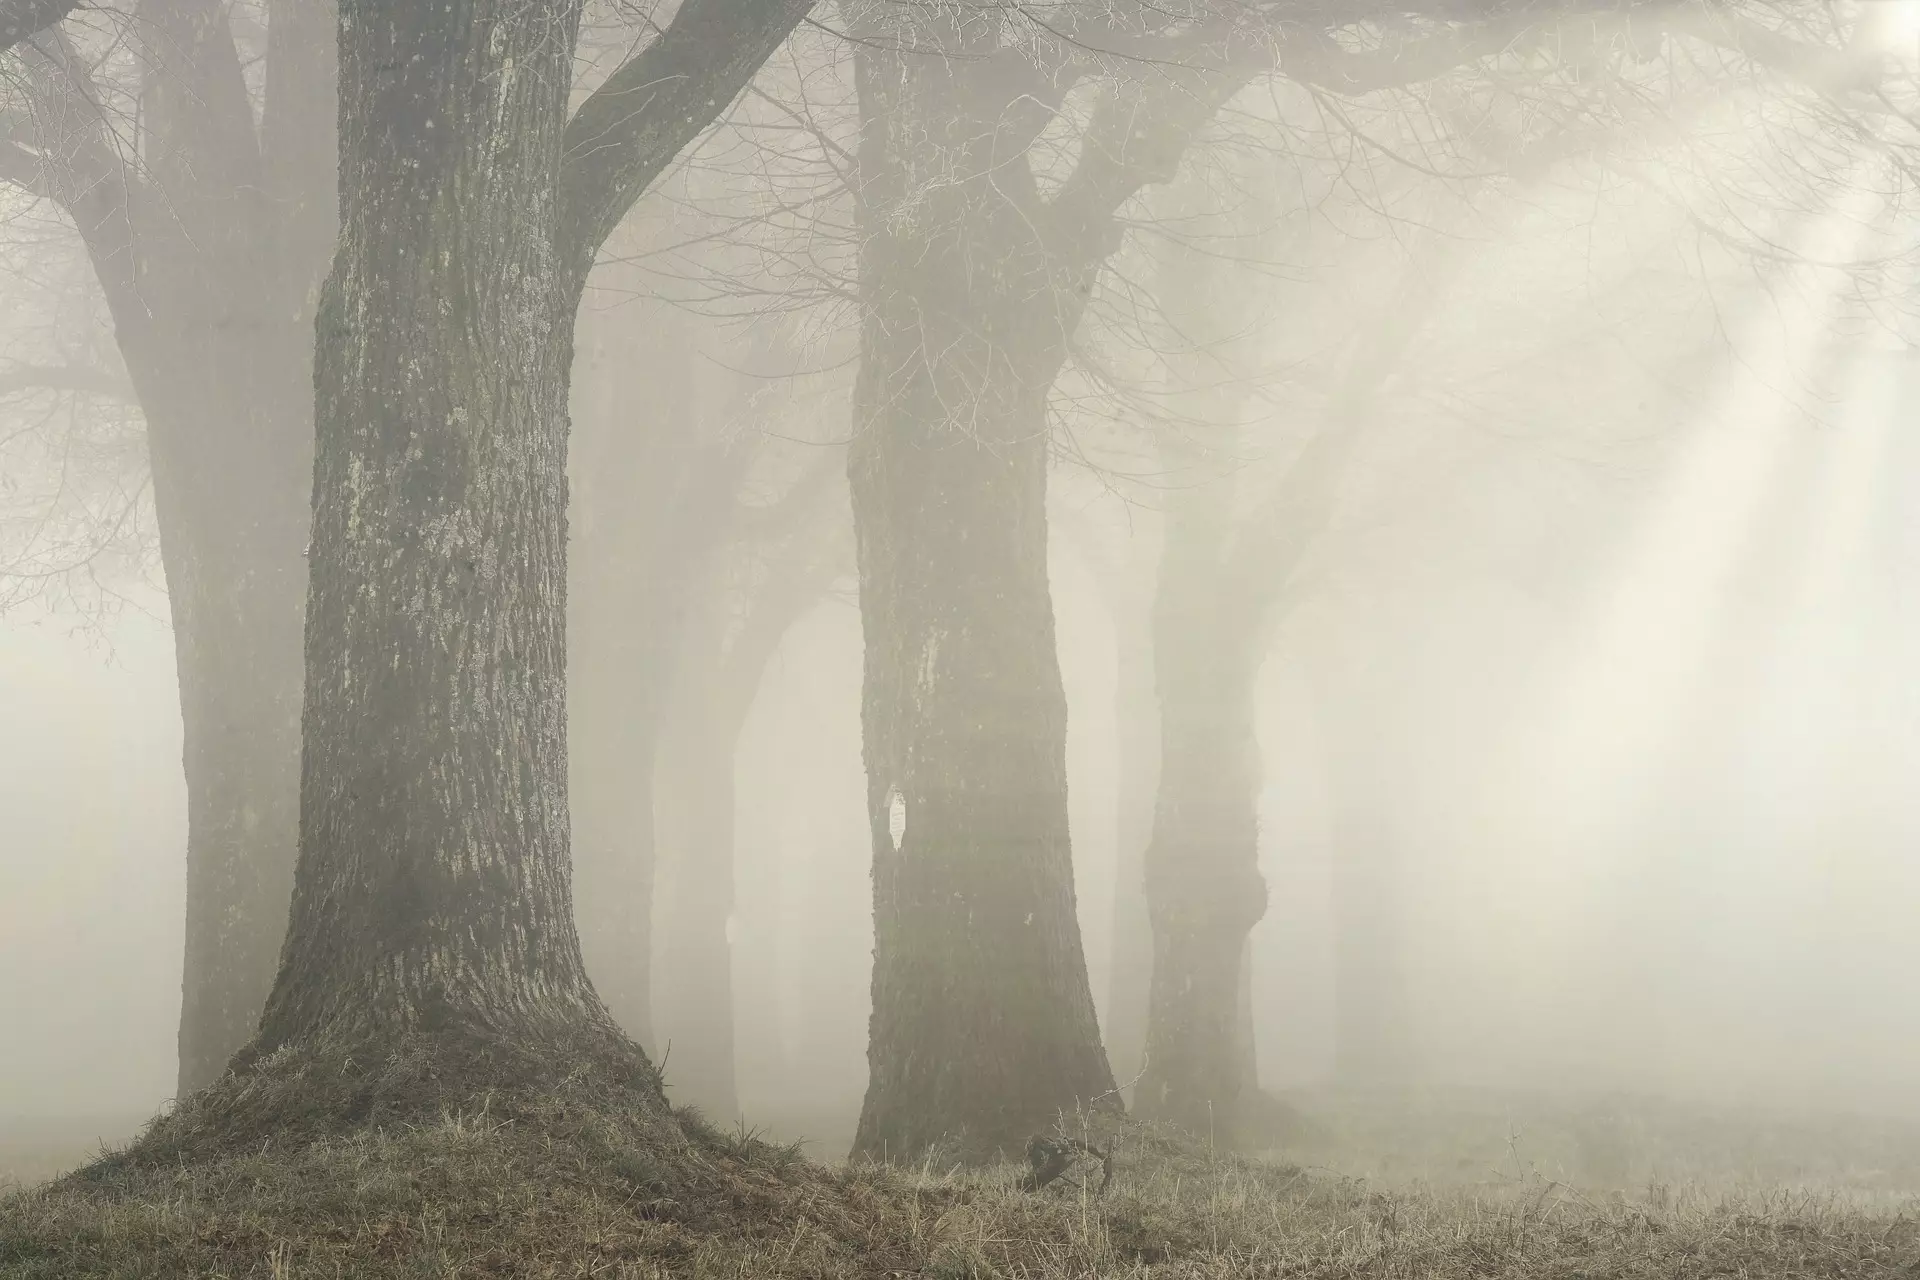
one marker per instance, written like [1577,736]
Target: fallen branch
[1051,1157]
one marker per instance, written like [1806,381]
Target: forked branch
[631,127]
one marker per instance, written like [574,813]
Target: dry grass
[561,1185]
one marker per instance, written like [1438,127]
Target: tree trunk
[1205,894]
[983,1028]
[207,257]
[1204,888]
[432,891]
[1136,752]
[229,481]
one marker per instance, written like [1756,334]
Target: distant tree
[1230,572]
[207,212]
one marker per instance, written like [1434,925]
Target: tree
[1225,581]
[977,257]
[432,893]
[207,228]
[973,277]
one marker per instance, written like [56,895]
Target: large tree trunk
[983,1027]
[432,891]
[209,272]
[233,531]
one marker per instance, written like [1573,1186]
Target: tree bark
[432,892]
[983,1026]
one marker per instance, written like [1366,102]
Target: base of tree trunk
[299,1094]
[445,1154]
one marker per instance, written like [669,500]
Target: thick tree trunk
[209,269]
[225,384]
[230,475]
[983,1028]
[1136,769]
[432,891]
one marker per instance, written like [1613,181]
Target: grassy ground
[559,1187]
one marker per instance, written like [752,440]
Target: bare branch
[631,127]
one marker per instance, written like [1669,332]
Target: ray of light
[1557,815]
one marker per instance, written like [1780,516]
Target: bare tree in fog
[206,211]
[1224,581]
[76,500]
[432,889]
[972,278]
[995,157]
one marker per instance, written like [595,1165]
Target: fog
[1596,681]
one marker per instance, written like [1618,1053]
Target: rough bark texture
[983,1025]
[208,256]
[432,891]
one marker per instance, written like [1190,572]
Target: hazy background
[1633,668]
[1657,823]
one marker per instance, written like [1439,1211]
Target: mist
[1445,540]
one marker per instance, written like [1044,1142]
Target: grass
[561,1184]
